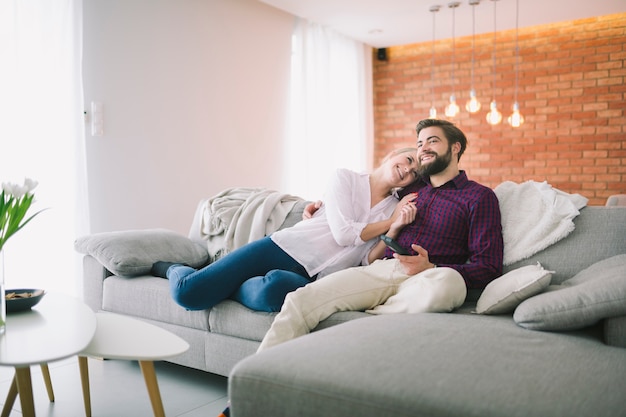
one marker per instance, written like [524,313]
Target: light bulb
[516,119]
[432,113]
[472,105]
[494,116]
[452,109]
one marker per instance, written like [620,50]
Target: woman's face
[402,169]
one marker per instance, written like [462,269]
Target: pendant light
[473,105]
[452,109]
[433,110]
[516,119]
[494,116]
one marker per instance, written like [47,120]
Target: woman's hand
[310,209]
[409,198]
[404,214]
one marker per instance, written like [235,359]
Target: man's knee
[437,290]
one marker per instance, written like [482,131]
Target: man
[455,243]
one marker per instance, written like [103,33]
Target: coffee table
[122,337]
[60,326]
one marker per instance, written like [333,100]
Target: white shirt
[331,241]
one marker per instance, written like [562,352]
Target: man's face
[434,154]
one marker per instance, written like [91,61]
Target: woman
[358,208]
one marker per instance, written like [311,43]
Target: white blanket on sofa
[534,216]
[237,216]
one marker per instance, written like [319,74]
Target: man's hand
[415,264]
[310,209]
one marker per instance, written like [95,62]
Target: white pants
[381,287]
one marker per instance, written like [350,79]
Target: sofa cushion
[431,364]
[149,297]
[503,294]
[593,294]
[233,319]
[615,331]
[599,234]
[132,252]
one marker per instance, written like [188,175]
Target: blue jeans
[258,275]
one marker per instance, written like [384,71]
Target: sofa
[548,339]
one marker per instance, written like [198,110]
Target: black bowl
[20,302]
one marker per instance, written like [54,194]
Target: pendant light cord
[453,45]
[494,50]
[432,64]
[473,42]
[516,48]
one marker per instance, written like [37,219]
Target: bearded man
[454,243]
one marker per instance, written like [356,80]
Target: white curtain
[42,137]
[330,108]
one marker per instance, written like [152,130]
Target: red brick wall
[571,92]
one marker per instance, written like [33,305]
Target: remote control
[393,245]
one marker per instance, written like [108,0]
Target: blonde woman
[358,208]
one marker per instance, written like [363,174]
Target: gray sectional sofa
[555,351]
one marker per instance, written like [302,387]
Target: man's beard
[439,164]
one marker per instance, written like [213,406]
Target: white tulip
[30,185]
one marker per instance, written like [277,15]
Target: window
[330,108]
[42,136]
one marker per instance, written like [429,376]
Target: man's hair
[453,133]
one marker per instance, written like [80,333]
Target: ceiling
[384,23]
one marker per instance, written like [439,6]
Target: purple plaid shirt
[459,225]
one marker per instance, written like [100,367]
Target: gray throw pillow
[132,252]
[593,294]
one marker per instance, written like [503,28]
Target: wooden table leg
[84,381]
[149,375]
[48,382]
[25,390]
[11,395]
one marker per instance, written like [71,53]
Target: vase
[3,302]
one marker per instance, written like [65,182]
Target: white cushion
[503,294]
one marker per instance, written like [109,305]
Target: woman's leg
[267,293]
[202,289]
[352,289]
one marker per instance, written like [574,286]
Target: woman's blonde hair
[399,151]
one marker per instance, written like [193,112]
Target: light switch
[97,118]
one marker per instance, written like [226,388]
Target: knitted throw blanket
[534,216]
[237,216]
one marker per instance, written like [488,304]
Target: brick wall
[571,92]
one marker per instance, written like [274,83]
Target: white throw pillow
[503,294]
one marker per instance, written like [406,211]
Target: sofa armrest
[94,274]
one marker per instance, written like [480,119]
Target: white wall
[195,95]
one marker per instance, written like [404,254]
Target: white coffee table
[58,327]
[121,337]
